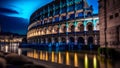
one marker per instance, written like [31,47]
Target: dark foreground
[12,60]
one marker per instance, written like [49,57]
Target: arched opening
[81,27]
[72,28]
[71,40]
[63,28]
[49,40]
[63,40]
[50,29]
[89,14]
[56,29]
[56,40]
[97,26]
[90,40]
[44,41]
[81,41]
[44,30]
[90,26]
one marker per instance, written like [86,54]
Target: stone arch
[40,40]
[97,26]
[44,30]
[63,40]
[49,29]
[63,28]
[71,27]
[71,40]
[89,26]
[80,40]
[44,40]
[49,40]
[56,29]
[56,40]
[80,27]
[39,31]
[89,14]
[90,40]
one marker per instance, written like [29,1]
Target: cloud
[8,11]
[13,24]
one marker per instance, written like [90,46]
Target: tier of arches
[65,27]
[80,40]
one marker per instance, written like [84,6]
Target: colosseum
[64,22]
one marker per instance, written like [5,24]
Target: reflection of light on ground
[43,56]
[6,48]
[35,54]
[94,62]
[86,61]
[46,58]
[19,51]
[56,58]
[59,58]
[40,55]
[53,58]
[67,59]
[30,54]
[75,60]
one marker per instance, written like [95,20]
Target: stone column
[46,40]
[85,26]
[67,39]
[38,41]
[76,14]
[75,40]
[60,17]
[95,40]
[86,40]
[59,39]
[67,16]
[53,40]
[41,40]
[67,27]
[94,24]
[53,19]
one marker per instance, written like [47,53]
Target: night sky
[15,14]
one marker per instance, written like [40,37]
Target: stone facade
[67,22]
[109,15]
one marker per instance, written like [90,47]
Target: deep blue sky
[15,14]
